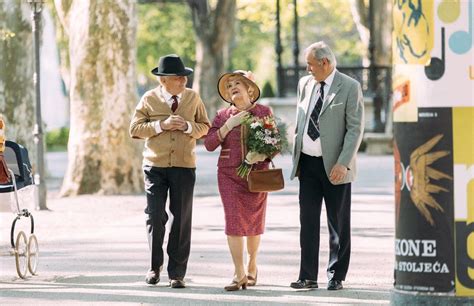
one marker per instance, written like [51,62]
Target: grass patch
[56,140]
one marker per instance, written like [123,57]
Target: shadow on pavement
[107,289]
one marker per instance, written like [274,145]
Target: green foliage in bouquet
[266,138]
[263,135]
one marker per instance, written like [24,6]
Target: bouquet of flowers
[265,139]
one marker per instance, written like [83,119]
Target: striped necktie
[313,126]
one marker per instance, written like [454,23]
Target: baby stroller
[18,189]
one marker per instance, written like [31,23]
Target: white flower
[268,140]
[256,124]
[268,132]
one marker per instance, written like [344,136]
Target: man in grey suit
[329,128]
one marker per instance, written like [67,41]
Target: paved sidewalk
[94,250]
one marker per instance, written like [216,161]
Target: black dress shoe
[152,277]
[304,284]
[177,283]
[334,284]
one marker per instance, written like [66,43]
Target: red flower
[267,125]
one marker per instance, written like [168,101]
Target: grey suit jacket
[341,123]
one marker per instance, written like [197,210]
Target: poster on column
[463,147]
[433,77]
[424,250]
[432,55]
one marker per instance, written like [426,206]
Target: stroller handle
[12,175]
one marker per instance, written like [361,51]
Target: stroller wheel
[33,254]
[21,253]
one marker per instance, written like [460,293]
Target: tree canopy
[158,35]
[166,27]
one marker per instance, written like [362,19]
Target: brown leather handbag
[266,180]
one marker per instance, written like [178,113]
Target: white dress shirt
[313,147]
[169,100]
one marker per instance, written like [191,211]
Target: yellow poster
[413,33]
[463,159]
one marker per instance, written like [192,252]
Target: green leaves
[167,28]
[164,28]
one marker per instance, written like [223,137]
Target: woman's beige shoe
[234,286]
[252,281]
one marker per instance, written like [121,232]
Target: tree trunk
[102,157]
[360,15]
[209,67]
[382,52]
[16,74]
[383,32]
[382,36]
[214,29]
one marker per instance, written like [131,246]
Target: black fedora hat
[171,64]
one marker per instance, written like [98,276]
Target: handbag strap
[271,162]
[251,168]
[273,165]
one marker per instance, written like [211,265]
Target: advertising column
[433,114]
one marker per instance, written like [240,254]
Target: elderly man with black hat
[170,118]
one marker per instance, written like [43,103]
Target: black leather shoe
[152,277]
[304,284]
[334,284]
[177,283]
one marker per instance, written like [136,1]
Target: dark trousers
[314,187]
[179,182]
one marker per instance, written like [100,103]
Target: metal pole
[296,48]
[36,7]
[279,50]
[371,48]
[377,99]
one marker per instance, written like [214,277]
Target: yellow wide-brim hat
[247,77]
